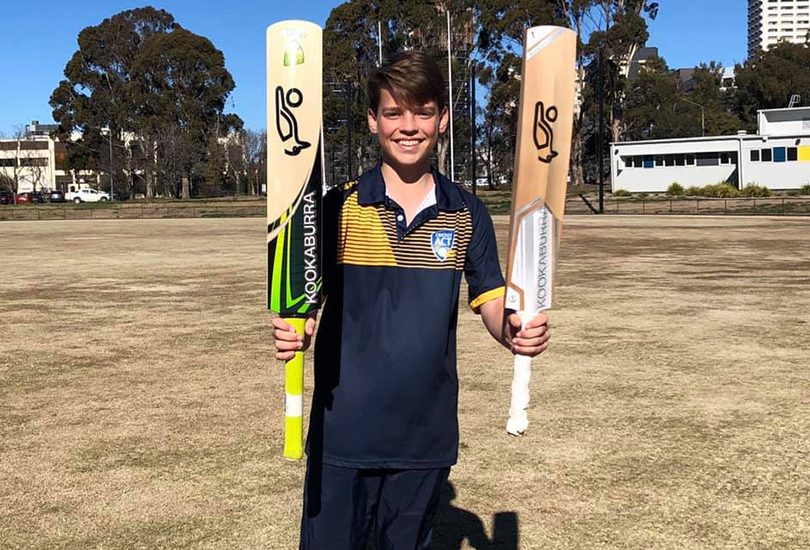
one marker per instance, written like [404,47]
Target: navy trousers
[345,509]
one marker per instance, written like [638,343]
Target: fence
[767,206]
[136,210]
[771,206]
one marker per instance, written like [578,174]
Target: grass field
[140,407]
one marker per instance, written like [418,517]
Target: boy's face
[407,137]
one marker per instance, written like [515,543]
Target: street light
[109,135]
[702,116]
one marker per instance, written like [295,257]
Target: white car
[87,195]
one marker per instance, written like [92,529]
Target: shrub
[693,191]
[675,189]
[805,189]
[756,190]
[622,193]
[720,190]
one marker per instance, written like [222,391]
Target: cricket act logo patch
[442,243]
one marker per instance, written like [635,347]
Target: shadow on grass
[454,525]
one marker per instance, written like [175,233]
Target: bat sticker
[286,123]
[543,132]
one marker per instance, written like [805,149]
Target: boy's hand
[531,340]
[288,341]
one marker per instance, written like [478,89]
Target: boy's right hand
[288,341]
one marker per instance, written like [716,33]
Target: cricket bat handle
[294,399]
[519,406]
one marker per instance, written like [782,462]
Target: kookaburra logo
[286,123]
[543,132]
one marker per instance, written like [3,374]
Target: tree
[653,105]
[487,36]
[617,28]
[352,42]
[255,146]
[500,43]
[707,91]
[140,73]
[769,79]
[180,87]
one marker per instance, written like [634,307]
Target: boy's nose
[408,123]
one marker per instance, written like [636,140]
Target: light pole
[702,116]
[450,91]
[379,40]
[109,136]
[445,5]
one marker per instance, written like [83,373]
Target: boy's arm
[531,340]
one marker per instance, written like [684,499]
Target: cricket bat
[294,191]
[542,154]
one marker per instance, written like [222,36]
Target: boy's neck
[408,188]
[413,179]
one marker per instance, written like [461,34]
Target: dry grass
[139,406]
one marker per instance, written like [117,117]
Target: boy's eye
[390,114]
[425,114]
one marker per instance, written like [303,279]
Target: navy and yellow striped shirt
[386,387]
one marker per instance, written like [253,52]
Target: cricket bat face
[294,170]
[542,156]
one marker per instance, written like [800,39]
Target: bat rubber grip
[519,406]
[294,399]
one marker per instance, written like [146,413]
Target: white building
[778,157]
[36,161]
[770,21]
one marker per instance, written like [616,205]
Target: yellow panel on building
[804,153]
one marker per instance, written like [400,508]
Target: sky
[37,42]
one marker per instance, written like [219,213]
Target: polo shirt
[386,386]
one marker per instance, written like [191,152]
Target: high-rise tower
[770,21]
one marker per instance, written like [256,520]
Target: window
[648,162]
[33,162]
[767,155]
[792,154]
[725,158]
[638,162]
[754,155]
[779,154]
[669,160]
[659,160]
[707,159]
[680,160]
[632,162]
[7,163]
[690,160]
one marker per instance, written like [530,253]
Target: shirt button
[400,217]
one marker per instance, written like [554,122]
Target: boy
[383,428]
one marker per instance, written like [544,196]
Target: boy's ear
[372,121]
[444,117]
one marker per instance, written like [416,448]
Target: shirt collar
[371,190]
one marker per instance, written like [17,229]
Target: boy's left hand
[531,340]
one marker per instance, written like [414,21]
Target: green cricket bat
[294,191]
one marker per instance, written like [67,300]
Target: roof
[785,110]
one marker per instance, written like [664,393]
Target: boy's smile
[407,136]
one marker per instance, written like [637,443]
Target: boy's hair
[412,77]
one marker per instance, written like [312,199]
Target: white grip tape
[519,406]
[294,405]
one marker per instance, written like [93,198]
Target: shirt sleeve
[481,268]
